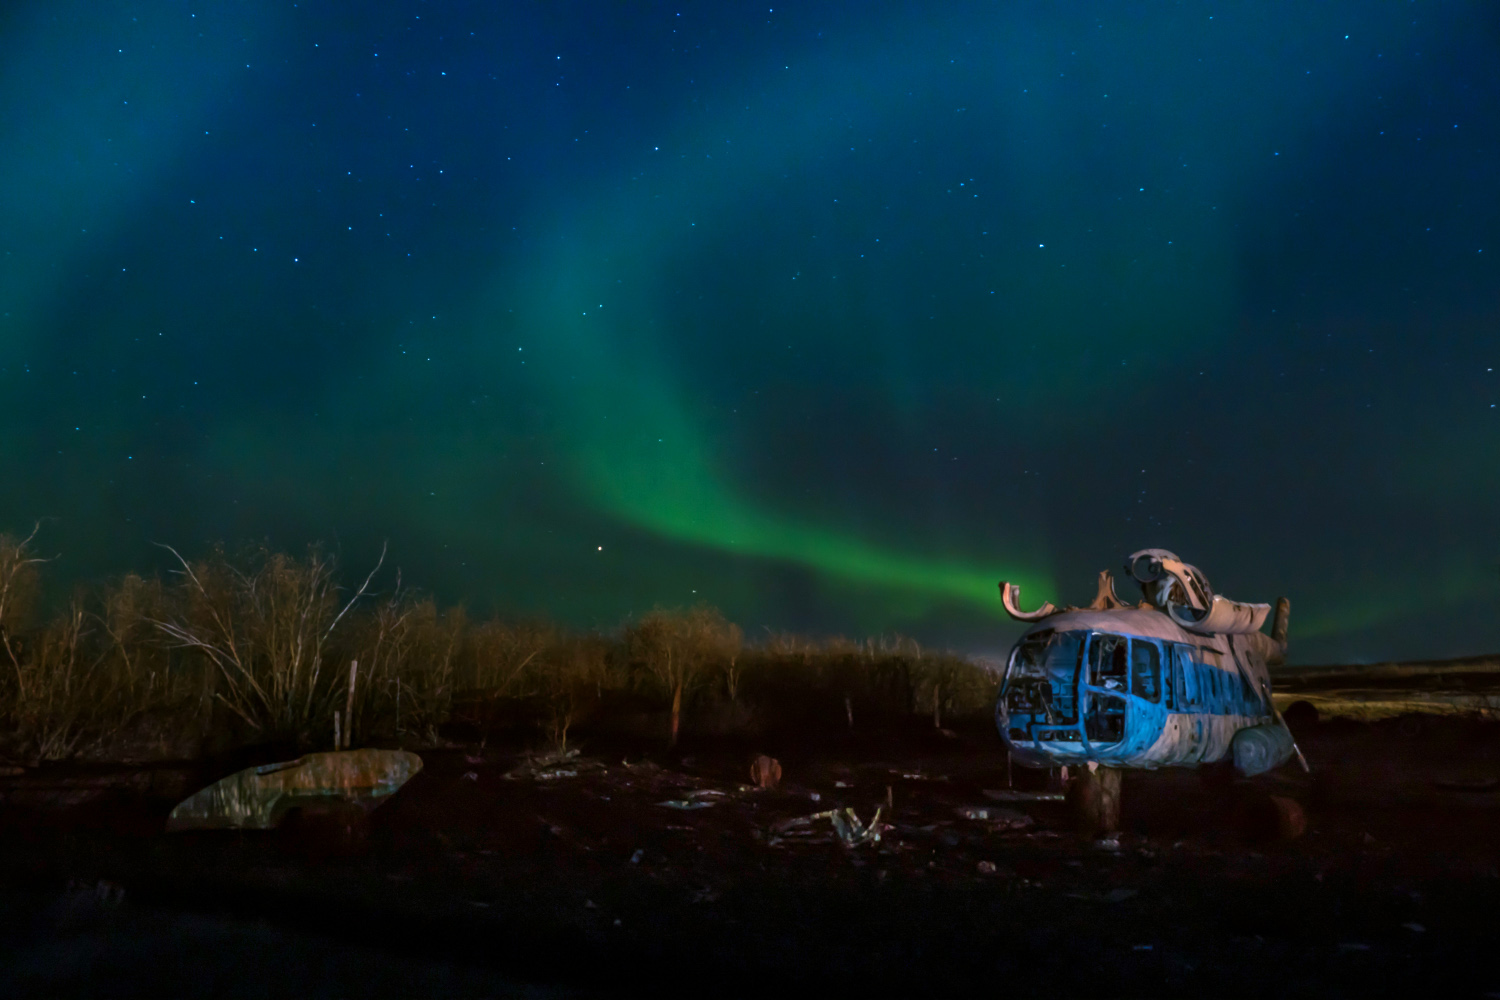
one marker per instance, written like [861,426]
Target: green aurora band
[634,445]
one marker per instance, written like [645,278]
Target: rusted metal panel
[257,797]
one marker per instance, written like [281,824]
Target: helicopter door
[1108,674]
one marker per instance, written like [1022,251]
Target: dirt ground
[484,876]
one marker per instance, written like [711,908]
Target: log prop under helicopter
[1179,680]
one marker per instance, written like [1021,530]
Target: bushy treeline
[269,647]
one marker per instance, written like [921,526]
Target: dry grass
[269,647]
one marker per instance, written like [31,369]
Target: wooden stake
[349,705]
[676,712]
[336,737]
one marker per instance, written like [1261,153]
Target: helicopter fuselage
[1129,687]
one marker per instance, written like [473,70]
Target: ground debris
[997,817]
[846,826]
[552,766]
[1015,795]
[701,798]
[1112,896]
[1467,783]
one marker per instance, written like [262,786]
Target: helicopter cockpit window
[1145,670]
[1030,657]
[1041,676]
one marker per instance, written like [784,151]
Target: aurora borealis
[832,314]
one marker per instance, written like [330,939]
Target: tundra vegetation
[265,647]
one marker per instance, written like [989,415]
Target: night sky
[832,315]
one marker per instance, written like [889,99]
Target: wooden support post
[1094,794]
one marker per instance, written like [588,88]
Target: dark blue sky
[830,314]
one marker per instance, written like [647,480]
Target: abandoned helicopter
[1179,680]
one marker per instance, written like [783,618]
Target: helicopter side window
[1109,662]
[1145,670]
[1215,691]
[1185,673]
[1254,702]
[1249,697]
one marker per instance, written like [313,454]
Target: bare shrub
[674,647]
[272,642]
[45,699]
[53,703]
[408,654]
[18,588]
[498,673]
[727,646]
[266,631]
[570,677]
[501,652]
[136,663]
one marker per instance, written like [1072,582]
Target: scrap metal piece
[851,832]
[1106,599]
[1000,818]
[1270,818]
[765,772]
[1010,597]
[258,797]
